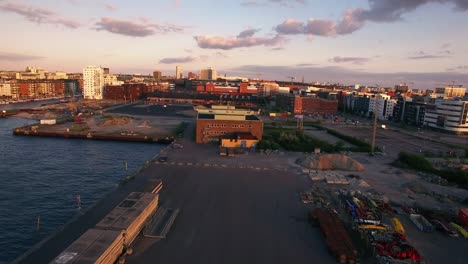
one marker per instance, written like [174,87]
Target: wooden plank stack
[94,246]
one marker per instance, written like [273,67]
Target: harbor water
[55,180]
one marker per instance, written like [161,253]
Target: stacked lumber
[94,246]
[130,215]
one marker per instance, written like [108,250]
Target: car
[179,146]
[162,159]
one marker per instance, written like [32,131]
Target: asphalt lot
[234,216]
[170,110]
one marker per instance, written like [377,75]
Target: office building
[208,74]
[448,115]
[157,75]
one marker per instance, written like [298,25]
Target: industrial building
[225,121]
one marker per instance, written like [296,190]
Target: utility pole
[374,130]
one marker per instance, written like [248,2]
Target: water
[43,176]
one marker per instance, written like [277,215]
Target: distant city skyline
[421,43]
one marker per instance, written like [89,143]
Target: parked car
[179,146]
[162,159]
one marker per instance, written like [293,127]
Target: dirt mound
[116,121]
[331,162]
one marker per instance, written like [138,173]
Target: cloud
[393,10]
[354,19]
[7,56]
[290,27]
[252,4]
[427,56]
[242,40]
[459,68]
[135,29]
[247,33]
[178,60]
[320,27]
[110,7]
[283,3]
[336,74]
[38,15]
[353,60]
[305,64]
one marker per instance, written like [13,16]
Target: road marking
[206,165]
[189,163]
[180,163]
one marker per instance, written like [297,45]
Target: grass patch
[419,163]
[293,140]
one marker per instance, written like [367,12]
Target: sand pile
[330,162]
[116,121]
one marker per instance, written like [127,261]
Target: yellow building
[240,140]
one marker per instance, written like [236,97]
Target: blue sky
[357,41]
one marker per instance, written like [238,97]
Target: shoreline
[81,222]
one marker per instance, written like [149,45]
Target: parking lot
[234,216]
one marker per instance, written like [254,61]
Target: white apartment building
[110,79]
[93,83]
[384,107]
[448,115]
[5,89]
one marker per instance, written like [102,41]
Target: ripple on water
[43,176]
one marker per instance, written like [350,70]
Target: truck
[421,222]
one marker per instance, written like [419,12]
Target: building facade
[306,104]
[448,115]
[383,105]
[221,121]
[157,75]
[179,73]
[208,74]
[93,83]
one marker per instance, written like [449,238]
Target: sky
[423,43]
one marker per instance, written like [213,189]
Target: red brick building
[306,105]
[241,89]
[210,128]
[128,91]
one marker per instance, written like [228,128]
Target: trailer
[421,222]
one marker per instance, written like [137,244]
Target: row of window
[232,126]
[215,132]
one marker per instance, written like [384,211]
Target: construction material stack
[362,209]
[393,246]
[114,233]
[130,215]
[94,246]
[337,238]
